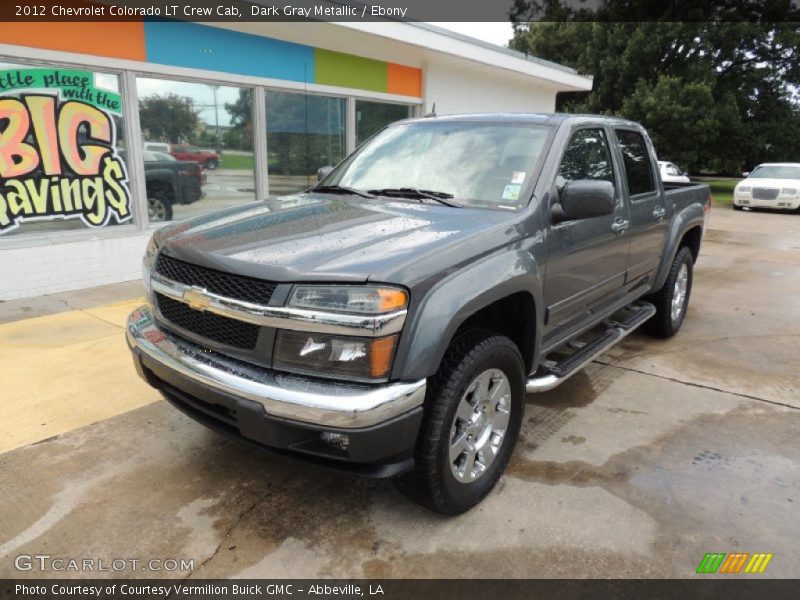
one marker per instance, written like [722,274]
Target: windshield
[476,164]
[776,172]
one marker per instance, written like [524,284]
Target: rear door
[648,212]
[586,258]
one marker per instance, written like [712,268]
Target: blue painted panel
[197,46]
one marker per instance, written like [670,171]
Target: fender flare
[691,217]
[452,300]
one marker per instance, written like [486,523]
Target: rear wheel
[672,300]
[473,413]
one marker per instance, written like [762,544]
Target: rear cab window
[636,161]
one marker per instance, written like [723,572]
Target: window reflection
[304,132]
[207,129]
[371,117]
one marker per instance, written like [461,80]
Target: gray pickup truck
[389,321]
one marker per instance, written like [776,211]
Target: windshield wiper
[341,189]
[408,192]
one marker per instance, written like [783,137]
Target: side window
[587,157]
[673,170]
[636,161]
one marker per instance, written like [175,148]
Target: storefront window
[61,136]
[371,117]
[198,147]
[304,132]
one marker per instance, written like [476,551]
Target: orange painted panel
[117,40]
[404,80]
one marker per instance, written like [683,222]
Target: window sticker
[58,155]
[511,192]
[518,177]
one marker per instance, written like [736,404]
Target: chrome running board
[554,373]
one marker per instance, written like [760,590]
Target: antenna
[432,114]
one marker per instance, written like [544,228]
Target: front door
[585,258]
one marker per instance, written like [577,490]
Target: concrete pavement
[654,455]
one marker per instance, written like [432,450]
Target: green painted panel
[348,70]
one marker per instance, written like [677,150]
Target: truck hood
[316,237]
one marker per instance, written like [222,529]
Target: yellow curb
[64,371]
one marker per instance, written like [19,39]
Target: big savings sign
[58,157]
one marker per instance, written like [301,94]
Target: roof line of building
[490,46]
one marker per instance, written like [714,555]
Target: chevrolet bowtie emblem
[196,298]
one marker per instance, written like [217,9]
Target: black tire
[212,164]
[159,208]
[664,324]
[432,483]
[738,207]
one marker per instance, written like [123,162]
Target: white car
[671,173]
[770,185]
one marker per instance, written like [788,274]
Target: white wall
[463,87]
[58,267]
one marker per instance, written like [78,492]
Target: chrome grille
[765,193]
[229,285]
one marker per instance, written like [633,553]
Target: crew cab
[390,320]
[769,185]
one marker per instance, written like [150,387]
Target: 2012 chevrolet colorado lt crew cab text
[389,320]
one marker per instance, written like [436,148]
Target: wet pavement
[636,467]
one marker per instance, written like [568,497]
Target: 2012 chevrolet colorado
[390,320]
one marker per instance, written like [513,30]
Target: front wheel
[159,209]
[212,164]
[473,413]
[672,300]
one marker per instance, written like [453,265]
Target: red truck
[205,158]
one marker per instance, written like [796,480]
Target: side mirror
[323,172]
[584,199]
[746,174]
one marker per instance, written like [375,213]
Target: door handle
[619,226]
[659,212]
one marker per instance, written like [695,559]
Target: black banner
[392,589]
[399,10]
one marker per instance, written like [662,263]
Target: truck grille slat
[229,285]
[208,325]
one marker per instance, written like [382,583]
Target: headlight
[788,191]
[148,262]
[369,300]
[743,190]
[362,359]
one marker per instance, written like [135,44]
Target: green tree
[170,117]
[240,136]
[713,94]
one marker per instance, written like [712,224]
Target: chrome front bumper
[292,397]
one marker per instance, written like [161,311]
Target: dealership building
[94,114]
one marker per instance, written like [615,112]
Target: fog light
[337,440]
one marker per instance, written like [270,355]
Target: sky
[496,33]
